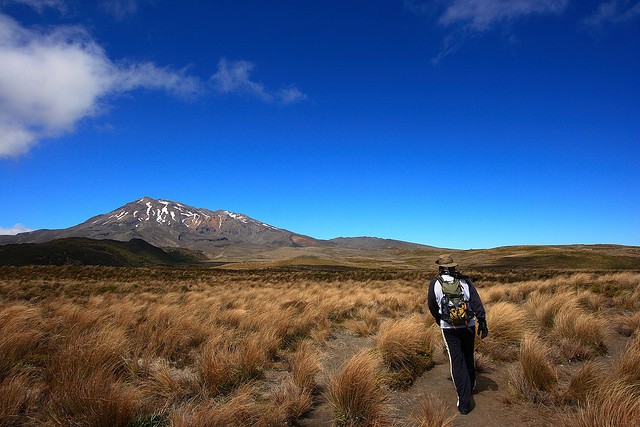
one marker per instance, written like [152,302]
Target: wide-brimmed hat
[446,261]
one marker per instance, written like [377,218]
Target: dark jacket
[470,295]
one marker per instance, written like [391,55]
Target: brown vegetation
[536,363]
[431,412]
[357,394]
[406,347]
[209,347]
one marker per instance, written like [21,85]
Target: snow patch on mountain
[167,213]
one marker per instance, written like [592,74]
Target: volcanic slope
[165,223]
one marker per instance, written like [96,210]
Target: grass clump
[618,405]
[507,324]
[239,409]
[535,379]
[406,347]
[305,366]
[289,403]
[580,335]
[585,382]
[536,363]
[431,412]
[357,394]
[365,322]
[225,366]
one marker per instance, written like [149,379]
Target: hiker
[455,304]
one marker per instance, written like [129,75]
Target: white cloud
[469,18]
[51,80]
[234,77]
[11,231]
[614,12]
[121,9]
[480,15]
[40,5]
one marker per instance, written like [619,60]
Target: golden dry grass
[406,347]
[304,366]
[431,412]
[586,382]
[618,406]
[357,394]
[536,364]
[81,345]
[507,323]
[608,396]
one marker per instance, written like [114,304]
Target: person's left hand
[483,331]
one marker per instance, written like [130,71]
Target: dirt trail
[488,410]
[489,406]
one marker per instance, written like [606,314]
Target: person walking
[454,303]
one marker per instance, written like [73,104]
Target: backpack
[454,307]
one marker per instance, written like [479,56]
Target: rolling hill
[84,251]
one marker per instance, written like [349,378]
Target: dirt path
[489,398]
[489,409]
[492,404]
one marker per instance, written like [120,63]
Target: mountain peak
[161,212]
[166,223]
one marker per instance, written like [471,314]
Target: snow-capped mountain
[166,213]
[170,224]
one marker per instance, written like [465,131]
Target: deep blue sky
[454,123]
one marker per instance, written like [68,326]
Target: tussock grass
[406,347]
[239,410]
[581,335]
[608,397]
[166,386]
[82,345]
[586,382]
[17,395]
[544,307]
[290,403]
[507,324]
[483,363]
[356,393]
[536,365]
[627,323]
[520,388]
[92,398]
[627,369]
[21,333]
[591,301]
[431,412]
[493,295]
[304,366]
[618,406]
[365,322]
[226,366]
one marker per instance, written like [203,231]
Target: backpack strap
[456,282]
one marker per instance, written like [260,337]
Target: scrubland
[93,346]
